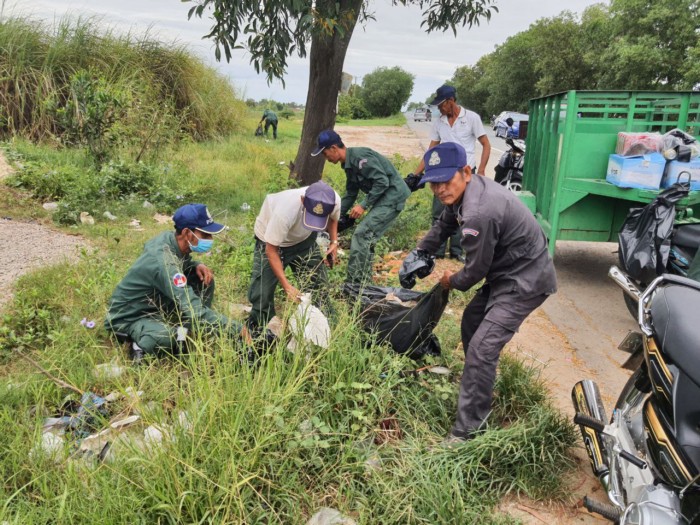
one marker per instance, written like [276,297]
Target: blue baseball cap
[319,202]
[196,217]
[443,93]
[326,139]
[442,161]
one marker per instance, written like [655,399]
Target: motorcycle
[657,239]
[647,456]
[509,171]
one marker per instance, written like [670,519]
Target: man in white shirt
[285,235]
[460,125]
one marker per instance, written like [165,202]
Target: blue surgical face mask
[203,245]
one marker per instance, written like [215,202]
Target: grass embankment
[268,444]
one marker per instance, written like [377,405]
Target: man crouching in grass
[165,293]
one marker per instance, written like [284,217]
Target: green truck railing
[570,137]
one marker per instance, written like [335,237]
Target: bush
[386,90]
[148,91]
[352,107]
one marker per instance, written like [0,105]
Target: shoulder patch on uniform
[469,231]
[179,280]
[361,163]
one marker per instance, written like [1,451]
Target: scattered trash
[281,163]
[50,206]
[418,263]
[329,516]
[50,446]
[162,219]
[136,224]
[147,205]
[114,396]
[86,218]
[134,394]
[276,326]
[309,324]
[109,371]
[440,370]
[121,423]
[108,215]
[373,464]
[389,430]
[237,309]
[87,324]
[184,421]
[323,241]
[245,207]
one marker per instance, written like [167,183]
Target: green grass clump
[77,80]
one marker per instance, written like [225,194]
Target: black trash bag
[259,131]
[409,330]
[418,263]
[645,238]
[345,222]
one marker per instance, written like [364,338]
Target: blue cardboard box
[644,171]
[687,171]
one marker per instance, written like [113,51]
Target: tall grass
[168,88]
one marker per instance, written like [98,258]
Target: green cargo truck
[569,140]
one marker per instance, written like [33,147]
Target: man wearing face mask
[165,293]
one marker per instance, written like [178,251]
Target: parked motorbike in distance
[509,171]
[647,456]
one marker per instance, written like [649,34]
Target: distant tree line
[628,45]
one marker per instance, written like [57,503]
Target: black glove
[418,263]
[413,181]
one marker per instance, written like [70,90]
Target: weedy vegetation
[269,443]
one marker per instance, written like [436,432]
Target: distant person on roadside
[166,294]
[285,236]
[385,196]
[270,118]
[428,115]
[460,125]
[505,247]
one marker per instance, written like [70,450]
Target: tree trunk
[326,59]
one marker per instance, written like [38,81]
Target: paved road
[588,309]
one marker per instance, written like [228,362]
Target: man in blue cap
[165,294]
[505,247]
[460,125]
[385,197]
[285,236]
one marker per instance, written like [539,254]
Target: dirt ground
[30,245]
[539,341]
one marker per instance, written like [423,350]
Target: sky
[395,38]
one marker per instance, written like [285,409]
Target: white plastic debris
[148,205]
[112,397]
[276,326]
[135,223]
[329,516]
[245,207]
[86,218]
[51,445]
[108,215]
[162,219]
[309,324]
[121,423]
[109,370]
[50,206]
[440,370]
[184,420]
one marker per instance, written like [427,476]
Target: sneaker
[137,354]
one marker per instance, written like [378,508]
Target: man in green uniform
[270,118]
[165,293]
[385,196]
[285,235]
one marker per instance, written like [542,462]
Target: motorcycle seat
[675,315]
[687,235]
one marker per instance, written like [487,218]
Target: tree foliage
[632,44]
[273,30]
[386,90]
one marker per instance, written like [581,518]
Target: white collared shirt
[466,129]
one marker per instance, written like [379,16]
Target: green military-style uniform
[270,118]
[161,291]
[385,197]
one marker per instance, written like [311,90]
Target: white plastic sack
[309,324]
